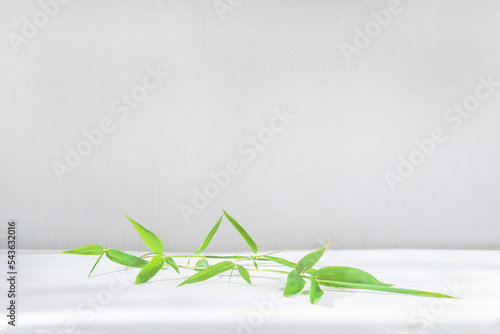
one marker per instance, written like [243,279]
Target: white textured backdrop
[315,107]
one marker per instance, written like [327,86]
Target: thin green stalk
[264,270]
[221,256]
[207,256]
[272,253]
[270,271]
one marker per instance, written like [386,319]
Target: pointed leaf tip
[209,236]
[150,270]
[347,275]
[209,272]
[150,239]
[95,264]
[86,250]
[308,261]
[171,262]
[242,232]
[244,273]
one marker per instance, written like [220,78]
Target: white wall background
[319,180]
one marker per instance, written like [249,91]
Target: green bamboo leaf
[150,269]
[125,259]
[348,275]
[211,271]
[150,239]
[294,284]
[315,293]
[286,263]
[254,262]
[308,261]
[336,284]
[95,264]
[209,236]
[203,263]
[171,262]
[242,232]
[244,273]
[86,250]
[280,261]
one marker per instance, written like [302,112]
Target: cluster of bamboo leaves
[331,276]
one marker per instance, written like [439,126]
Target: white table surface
[55,296]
